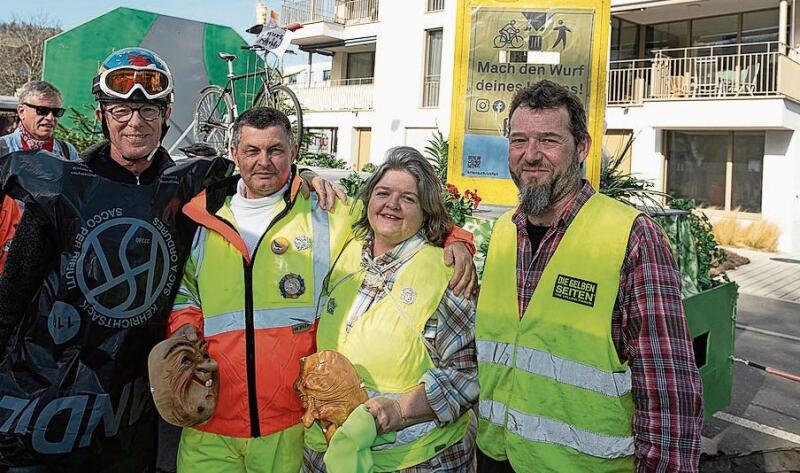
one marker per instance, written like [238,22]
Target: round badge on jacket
[292,286]
[279,245]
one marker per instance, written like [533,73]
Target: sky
[238,14]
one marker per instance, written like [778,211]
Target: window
[715,31]
[433,68]
[666,35]
[718,169]
[361,66]
[748,158]
[435,5]
[759,26]
[326,75]
[624,40]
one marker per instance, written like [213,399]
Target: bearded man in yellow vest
[584,357]
[251,288]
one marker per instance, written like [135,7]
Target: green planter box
[711,316]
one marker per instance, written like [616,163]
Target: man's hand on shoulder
[327,192]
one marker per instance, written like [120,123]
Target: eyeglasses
[43,111]
[124,113]
[121,83]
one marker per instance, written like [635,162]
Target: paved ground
[765,409]
[772,275]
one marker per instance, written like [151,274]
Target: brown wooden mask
[184,381]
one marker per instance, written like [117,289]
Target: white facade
[748,92]
[773,110]
[389,105]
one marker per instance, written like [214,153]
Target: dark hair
[436,222]
[548,94]
[260,118]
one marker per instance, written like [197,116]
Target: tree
[22,50]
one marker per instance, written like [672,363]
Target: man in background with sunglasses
[38,110]
[39,106]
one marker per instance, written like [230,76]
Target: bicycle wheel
[213,115]
[282,98]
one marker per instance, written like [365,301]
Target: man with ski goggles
[89,278]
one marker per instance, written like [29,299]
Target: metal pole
[183,135]
[782,374]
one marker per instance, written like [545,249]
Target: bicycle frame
[267,73]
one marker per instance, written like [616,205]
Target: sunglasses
[43,111]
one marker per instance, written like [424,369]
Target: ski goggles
[123,82]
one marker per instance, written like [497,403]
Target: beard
[536,199]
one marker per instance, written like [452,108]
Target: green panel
[71,59]
[713,312]
[218,39]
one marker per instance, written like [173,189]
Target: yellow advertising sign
[503,46]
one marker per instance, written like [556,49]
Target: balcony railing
[430,92]
[718,72]
[435,5]
[344,12]
[335,95]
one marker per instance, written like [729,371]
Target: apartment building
[708,90]
[384,87]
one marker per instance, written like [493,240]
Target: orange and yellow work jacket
[258,313]
[10,215]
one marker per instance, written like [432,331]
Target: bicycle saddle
[226,56]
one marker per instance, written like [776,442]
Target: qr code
[473,161]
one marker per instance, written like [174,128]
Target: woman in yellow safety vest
[387,307]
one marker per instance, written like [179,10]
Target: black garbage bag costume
[74,394]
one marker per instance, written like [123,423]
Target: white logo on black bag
[122,268]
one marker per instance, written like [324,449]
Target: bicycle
[216,108]
[509,35]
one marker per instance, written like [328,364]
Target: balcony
[349,12]
[342,95]
[430,91]
[705,73]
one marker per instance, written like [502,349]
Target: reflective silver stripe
[409,434]
[264,318]
[543,429]
[573,373]
[556,368]
[492,411]
[286,316]
[322,246]
[199,250]
[494,352]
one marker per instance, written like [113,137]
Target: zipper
[250,350]
[137,181]
[249,326]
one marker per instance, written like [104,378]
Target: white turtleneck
[253,216]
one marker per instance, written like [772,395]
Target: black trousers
[489,465]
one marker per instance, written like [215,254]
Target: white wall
[781,120]
[345,123]
[399,69]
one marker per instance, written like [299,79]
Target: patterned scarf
[29,142]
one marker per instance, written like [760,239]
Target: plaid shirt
[452,386]
[648,327]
